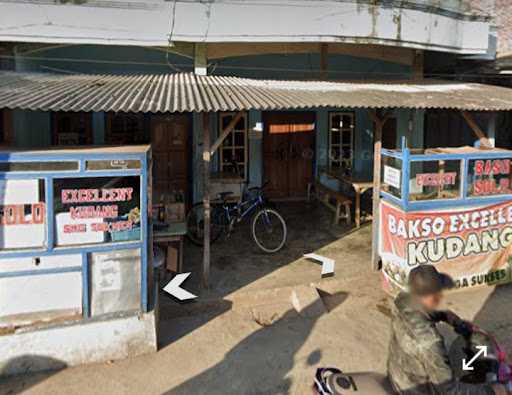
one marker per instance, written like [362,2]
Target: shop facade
[221,104]
[76,257]
[223,131]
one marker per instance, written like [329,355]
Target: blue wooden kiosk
[75,254]
[450,207]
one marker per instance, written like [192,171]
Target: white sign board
[19,192]
[392,176]
[22,214]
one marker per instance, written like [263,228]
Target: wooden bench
[325,195]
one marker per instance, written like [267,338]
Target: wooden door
[169,143]
[389,136]
[288,146]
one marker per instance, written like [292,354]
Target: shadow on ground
[496,315]
[237,264]
[27,364]
[267,353]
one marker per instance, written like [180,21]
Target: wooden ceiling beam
[484,141]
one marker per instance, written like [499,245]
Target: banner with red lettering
[472,245]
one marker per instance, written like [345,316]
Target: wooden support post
[226,132]
[491,129]
[200,59]
[417,64]
[484,141]
[324,60]
[206,199]
[377,146]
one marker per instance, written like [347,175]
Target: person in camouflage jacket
[418,362]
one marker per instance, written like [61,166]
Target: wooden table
[167,235]
[360,186]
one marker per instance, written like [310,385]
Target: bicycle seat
[224,195]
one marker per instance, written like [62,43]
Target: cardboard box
[172,261]
[174,212]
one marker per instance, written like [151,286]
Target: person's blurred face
[431,302]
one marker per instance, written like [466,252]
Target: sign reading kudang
[97,210]
[472,245]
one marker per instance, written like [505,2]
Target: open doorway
[389,134]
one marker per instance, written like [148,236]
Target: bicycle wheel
[195,223]
[269,230]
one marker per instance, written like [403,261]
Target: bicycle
[268,227]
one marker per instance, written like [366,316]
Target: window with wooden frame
[125,129]
[341,141]
[234,147]
[72,128]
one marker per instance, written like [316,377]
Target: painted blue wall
[98,59]
[31,128]
[307,66]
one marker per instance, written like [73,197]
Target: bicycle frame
[240,210]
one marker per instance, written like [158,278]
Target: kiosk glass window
[115,164]
[35,166]
[489,177]
[22,214]
[391,176]
[96,210]
[432,180]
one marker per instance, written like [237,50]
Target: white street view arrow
[467,365]
[174,289]
[327,263]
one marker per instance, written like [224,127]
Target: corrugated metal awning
[188,92]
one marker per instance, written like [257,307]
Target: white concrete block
[77,343]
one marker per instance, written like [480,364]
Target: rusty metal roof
[188,92]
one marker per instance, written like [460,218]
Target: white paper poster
[392,176]
[109,275]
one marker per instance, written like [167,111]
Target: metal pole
[377,145]
[206,199]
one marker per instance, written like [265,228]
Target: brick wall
[485,7]
[503,20]
[501,13]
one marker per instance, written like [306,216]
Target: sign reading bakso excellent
[473,245]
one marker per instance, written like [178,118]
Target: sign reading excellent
[96,210]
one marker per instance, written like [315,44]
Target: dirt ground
[260,329]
